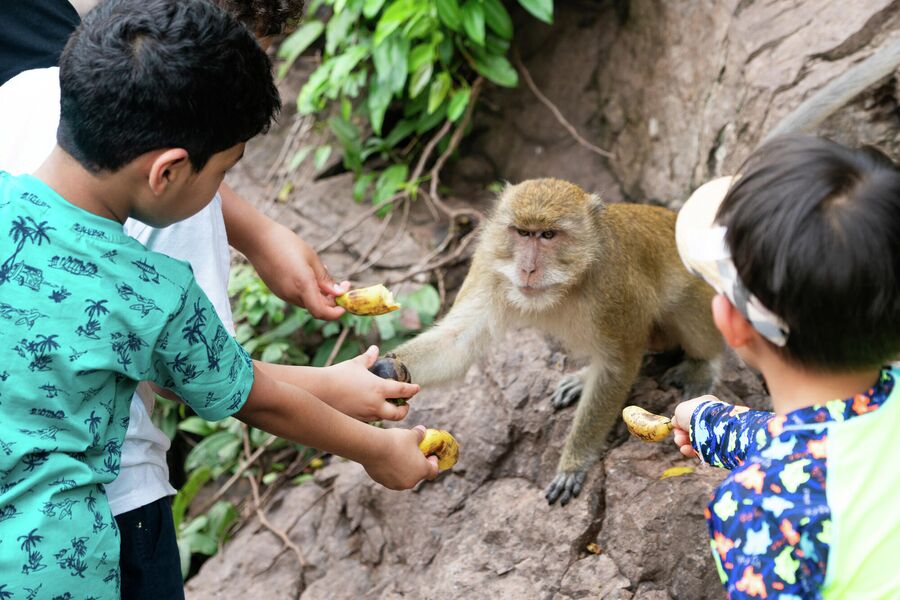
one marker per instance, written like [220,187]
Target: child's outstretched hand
[356,392]
[682,422]
[401,464]
[295,273]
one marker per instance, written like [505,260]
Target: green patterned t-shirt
[86,312]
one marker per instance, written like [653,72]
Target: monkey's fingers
[390,367]
[564,487]
[567,392]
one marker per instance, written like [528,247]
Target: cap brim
[699,239]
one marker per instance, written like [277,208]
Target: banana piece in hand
[440,443]
[646,425]
[368,301]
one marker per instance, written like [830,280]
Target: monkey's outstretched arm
[839,91]
[447,350]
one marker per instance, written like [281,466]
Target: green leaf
[216,451]
[402,130]
[542,9]
[372,8]
[186,494]
[473,20]
[494,44]
[439,88]
[458,103]
[379,100]
[269,478]
[299,157]
[396,14]
[221,516]
[389,182]
[426,301]
[296,43]
[389,58]
[386,328]
[498,19]
[321,156]
[196,425]
[302,478]
[449,14]
[337,30]
[310,98]
[496,68]
[346,62]
[274,353]
[361,186]
[421,67]
[349,137]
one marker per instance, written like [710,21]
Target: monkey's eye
[523,232]
[547,235]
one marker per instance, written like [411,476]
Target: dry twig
[556,112]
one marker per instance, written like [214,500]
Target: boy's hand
[402,465]
[295,273]
[363,395]
[682,422]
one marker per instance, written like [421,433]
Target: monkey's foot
[568,391]
[564,487]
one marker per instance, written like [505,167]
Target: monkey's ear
[596,205]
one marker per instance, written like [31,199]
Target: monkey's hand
[568,391]
[565,486]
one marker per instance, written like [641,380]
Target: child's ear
[733,326]
[166,169]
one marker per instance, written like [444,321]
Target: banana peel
[391,367]
[440,443]
[646,425]
[368,301]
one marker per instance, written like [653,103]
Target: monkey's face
[541,234]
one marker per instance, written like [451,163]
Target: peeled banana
[368,301]
[646,425]
[440,443]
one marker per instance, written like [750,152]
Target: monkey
[604,279]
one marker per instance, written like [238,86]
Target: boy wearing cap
[804,250]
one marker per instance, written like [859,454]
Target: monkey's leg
[569,389]
[691,326]
[606,388]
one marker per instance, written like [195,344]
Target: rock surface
[681,92]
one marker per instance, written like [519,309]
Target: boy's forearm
[311,379]
[294,414]
[723,434]
[244,224]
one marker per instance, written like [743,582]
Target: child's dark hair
[139,75]
[814,232]
[265,17]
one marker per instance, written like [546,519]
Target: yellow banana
[368,301]
[646,425]
[440,443]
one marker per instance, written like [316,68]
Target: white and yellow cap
[701,244]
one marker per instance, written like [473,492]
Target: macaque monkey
[606,280]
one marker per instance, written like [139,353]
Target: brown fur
[624,290]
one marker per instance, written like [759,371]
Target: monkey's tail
[839,91]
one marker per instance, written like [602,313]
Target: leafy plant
[397,70]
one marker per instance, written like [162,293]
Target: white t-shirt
[29,116]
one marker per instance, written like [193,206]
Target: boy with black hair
[804,249]
[181,87]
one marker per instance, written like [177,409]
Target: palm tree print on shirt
[24,230]
[38,350]
[193,334]
[94,309]
[126,344]
[28,544]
